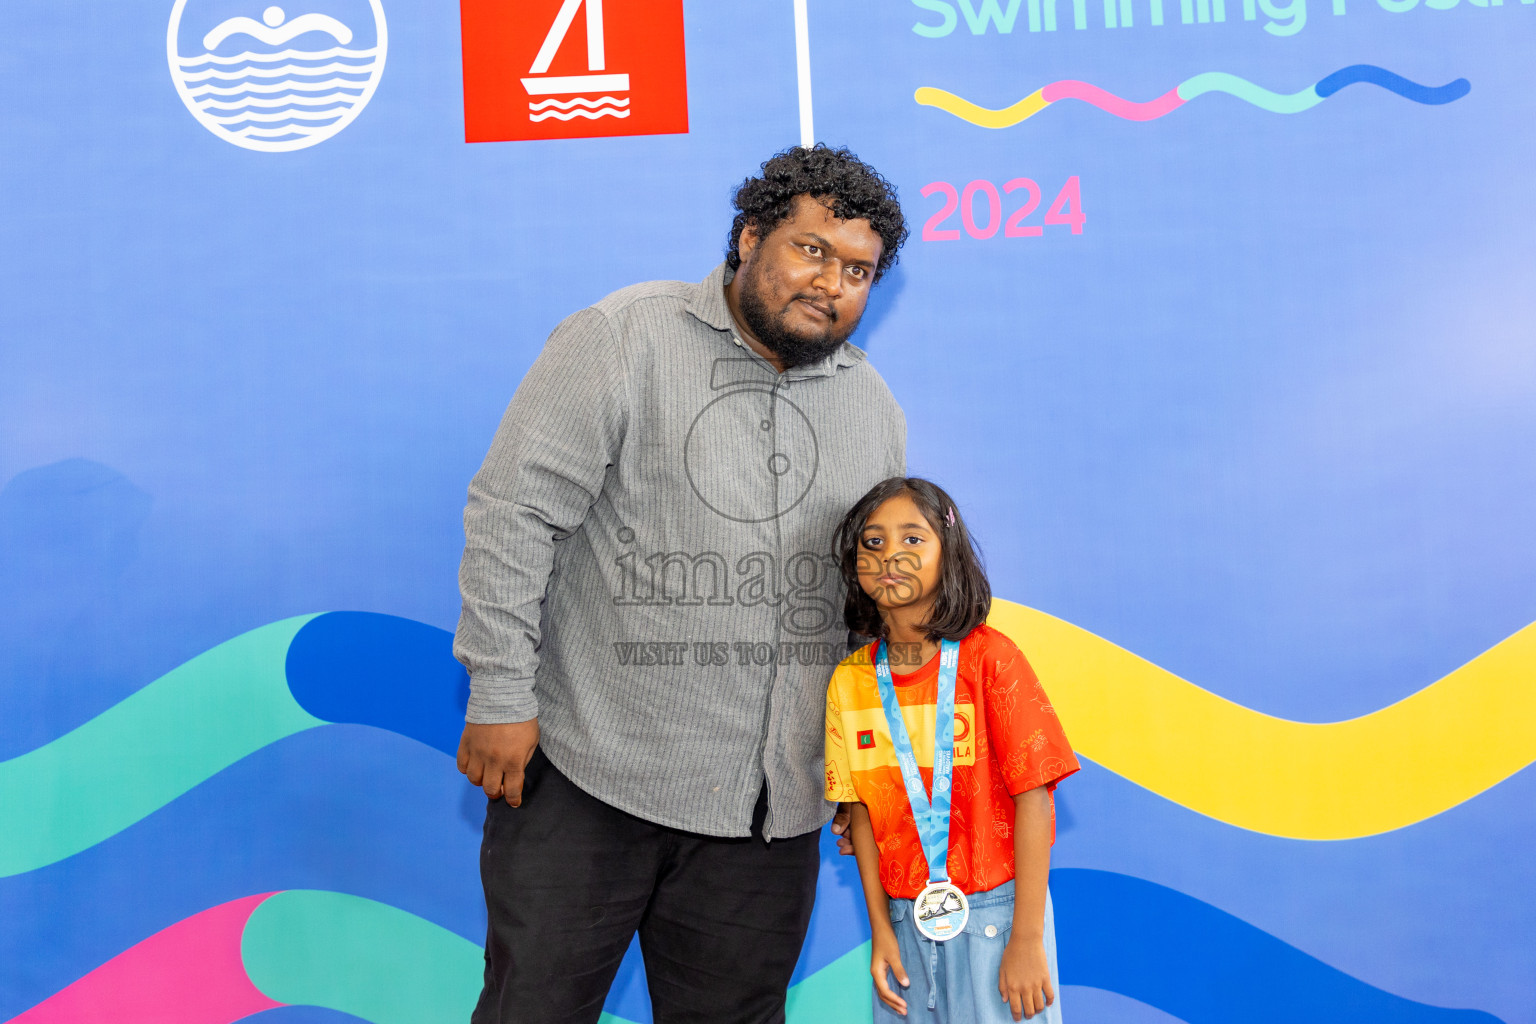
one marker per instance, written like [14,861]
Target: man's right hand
[494,757]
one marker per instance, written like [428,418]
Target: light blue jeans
[955,982]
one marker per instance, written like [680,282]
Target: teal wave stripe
[839,993]
[388,966]
[192,722]
[1274,102]
[308,947]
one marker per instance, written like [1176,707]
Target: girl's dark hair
[964,597]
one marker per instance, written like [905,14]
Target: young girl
[942,738]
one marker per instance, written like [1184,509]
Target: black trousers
[569,880]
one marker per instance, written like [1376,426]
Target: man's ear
[749,238]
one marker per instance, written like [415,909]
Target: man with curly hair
[652,612]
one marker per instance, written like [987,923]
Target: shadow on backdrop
[68,532]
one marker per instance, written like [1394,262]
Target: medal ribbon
[932,816]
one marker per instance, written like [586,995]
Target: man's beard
[792,349]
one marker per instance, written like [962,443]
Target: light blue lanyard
[932,817]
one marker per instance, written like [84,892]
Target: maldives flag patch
[866,739]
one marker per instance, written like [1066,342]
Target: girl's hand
[885,956]
[1025,978]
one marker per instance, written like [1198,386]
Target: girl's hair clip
[949,516]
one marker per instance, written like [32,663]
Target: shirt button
[990,931]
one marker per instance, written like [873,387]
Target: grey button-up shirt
[648,565]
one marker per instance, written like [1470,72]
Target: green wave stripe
[839,993]
[153,746]
[307,947]
[1274,102]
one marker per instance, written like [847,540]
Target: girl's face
[899,556]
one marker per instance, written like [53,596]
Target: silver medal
[941,911]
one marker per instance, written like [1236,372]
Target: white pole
[803,71]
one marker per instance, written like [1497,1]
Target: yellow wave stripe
[1386,770]
[964,109]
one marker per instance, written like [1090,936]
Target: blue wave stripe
[380,670]
[301,1015]
[1392,82]
[1205,966]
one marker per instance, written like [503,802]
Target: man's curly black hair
[852,189]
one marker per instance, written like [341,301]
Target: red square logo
[866,739]
[570,69]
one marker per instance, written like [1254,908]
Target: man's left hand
[840,829]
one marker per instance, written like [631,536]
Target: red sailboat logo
[628,79]
[581,91]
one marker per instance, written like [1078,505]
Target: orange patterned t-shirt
[1007,740]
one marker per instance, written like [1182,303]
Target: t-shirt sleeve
[839,772]
[1022,727]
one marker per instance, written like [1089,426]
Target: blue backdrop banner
[1216,317]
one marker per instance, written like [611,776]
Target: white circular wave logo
[276,82]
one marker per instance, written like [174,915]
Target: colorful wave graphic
[190,973]
[1210,81]
[331,950]
[347,808]
[293,948]
[1182,742]
[1380,772]
[1205,966]
[205,715]
[388,966]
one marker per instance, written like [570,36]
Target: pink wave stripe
[189,973]
[1110,103]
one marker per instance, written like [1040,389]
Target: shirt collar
[708,300]
[708,305]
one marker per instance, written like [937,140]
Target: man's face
[804,285]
